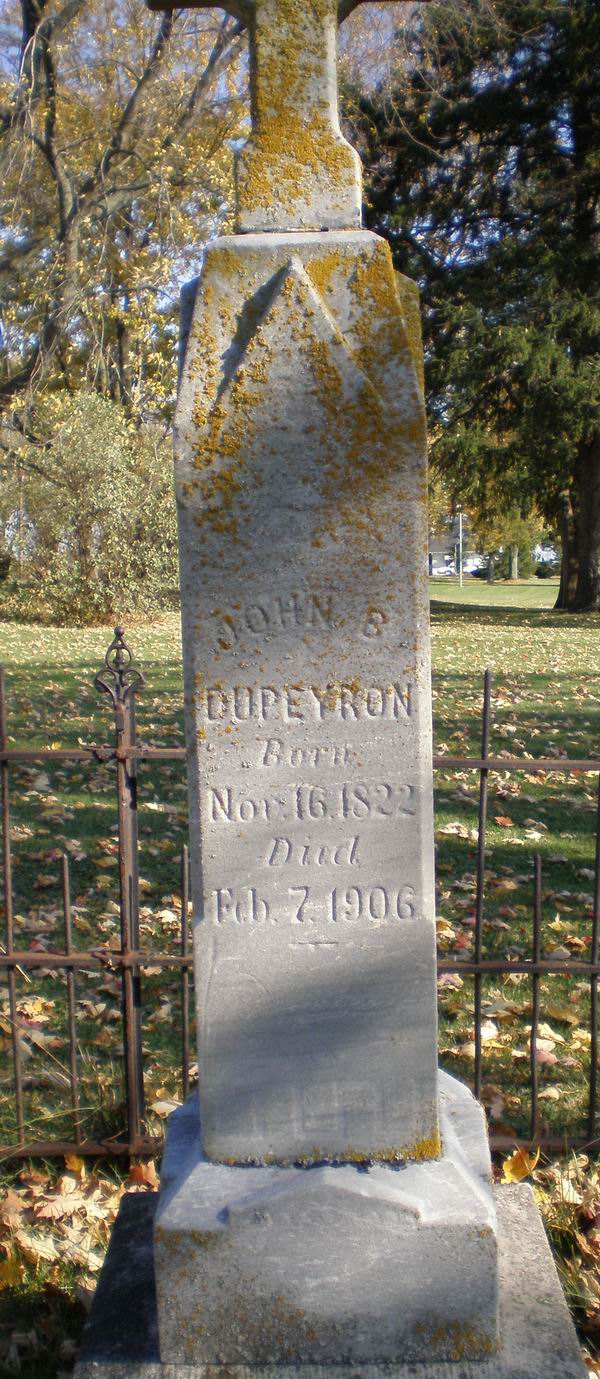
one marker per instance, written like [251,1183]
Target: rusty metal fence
[120,680]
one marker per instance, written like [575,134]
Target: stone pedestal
[537,1339]
[332,1263]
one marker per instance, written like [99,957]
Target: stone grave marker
[326,1205]
[307,682]
[300,470]
[301,482]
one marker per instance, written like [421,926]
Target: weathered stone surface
[297,170]
[537,1336]
[301,483]
[330,1263]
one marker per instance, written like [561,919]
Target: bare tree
[116,132]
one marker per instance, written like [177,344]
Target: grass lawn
[536,594]
[546,669]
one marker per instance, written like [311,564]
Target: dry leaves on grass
[64,1219]
[568,1194]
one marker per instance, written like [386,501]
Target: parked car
[545,555]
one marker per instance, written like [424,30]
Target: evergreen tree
[483,172]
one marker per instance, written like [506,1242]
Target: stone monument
[326,1204]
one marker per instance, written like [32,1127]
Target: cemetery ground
[55,1218]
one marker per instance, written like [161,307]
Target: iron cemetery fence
[119,681]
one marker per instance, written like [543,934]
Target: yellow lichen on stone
[367,437]
[371,444]
[424,1150]
[459,1340]
[230,264]
[223,430]
[297,164]
[408,293]
[322,269]
[288,156]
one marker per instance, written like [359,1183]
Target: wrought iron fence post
[483,799]
[593,1108]
[121,680]
[185,973]
[8,916]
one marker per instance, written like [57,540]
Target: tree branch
[37,37]
[151,69]
[223,52]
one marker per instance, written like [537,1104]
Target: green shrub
[98,513]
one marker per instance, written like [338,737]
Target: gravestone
[326,1203]
[300,470]
[308,706]
[301,483]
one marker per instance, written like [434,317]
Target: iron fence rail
[120,680]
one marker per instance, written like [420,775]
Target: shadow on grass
[41,1322]
[497,615]
[546,711]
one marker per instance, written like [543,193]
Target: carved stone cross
[297,171]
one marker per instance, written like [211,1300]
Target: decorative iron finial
[121,678]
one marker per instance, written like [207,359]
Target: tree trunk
[568,565]
[587,478]
[513,562]
[123,361]
[84,537]
[491,573]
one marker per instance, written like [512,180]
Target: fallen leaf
[567,1190]
[519,1165]
[450,980]
[493,1097]
[84,1292]
[467,1050]
[34,1245]
[454,828]
[12,1272]
[564,1013]
[546,1032]
[164,1107]
[12,1207]
[144,1175]
[55,1208]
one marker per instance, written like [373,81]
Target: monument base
[537,1335]
[328,1264]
